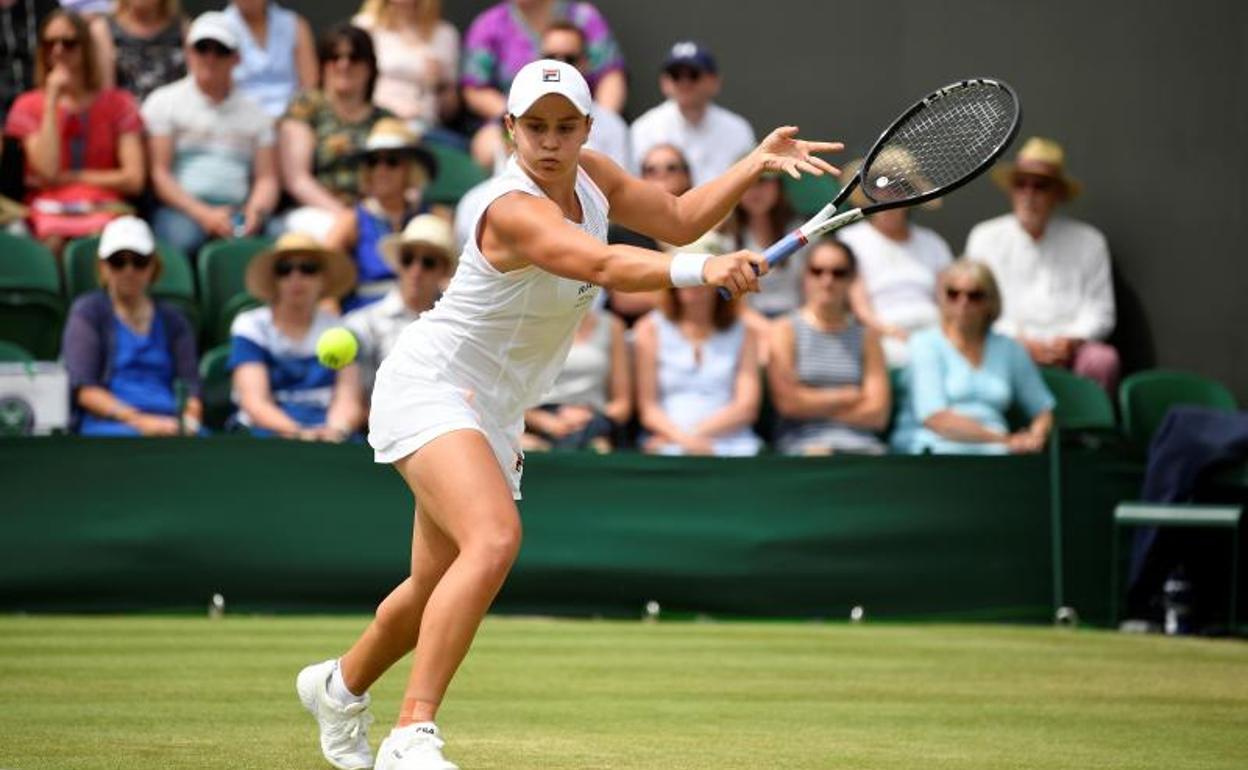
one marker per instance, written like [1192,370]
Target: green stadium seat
[1145,397]
[222,265]
[457,174]
[899,389]
[176,285]
[215,384]
[31,308]
[767,424]
[1081,404]
[14,354]
[237,304]
[810,193]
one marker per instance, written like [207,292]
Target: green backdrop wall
[101,524]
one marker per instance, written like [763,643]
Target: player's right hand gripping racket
[939,144]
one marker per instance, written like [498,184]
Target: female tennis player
[448,405]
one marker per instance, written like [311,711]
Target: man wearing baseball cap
[711,137]
[214,163]
[1057,292]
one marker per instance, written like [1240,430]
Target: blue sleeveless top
[267,73]
[371,228]
[141,376]
[695,381]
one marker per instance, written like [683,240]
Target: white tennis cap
[213,25]
[548,76]
[126,234]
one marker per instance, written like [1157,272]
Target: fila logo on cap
[550,75]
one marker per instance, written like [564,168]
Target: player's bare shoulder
[605,172]
[509,222]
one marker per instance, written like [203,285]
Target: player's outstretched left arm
[647,208]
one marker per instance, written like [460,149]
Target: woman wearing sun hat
[394,172]
[280,387]
[448,406]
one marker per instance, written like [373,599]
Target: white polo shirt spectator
[710,137]
[213,142]
[712,145]
[899,278]
[1057,286]
[377,327]
[609,135]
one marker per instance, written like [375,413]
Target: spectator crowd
[160,134]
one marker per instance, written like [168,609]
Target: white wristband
[686,269]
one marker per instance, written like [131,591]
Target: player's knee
[495,550]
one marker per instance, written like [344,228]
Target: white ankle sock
[338,688]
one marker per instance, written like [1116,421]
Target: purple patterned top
[500,42]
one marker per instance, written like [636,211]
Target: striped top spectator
[826,360]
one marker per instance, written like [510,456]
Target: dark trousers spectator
[1191,442]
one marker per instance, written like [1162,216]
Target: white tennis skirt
[410,411]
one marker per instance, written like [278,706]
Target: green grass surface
[164,693]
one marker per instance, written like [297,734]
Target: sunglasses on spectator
[391,159]
[839,273]
[685,73]
[972,295]
[212,48]
[354,57]
[651,169]
[408,257]
[567,58]
[121,259]
[285,267]
[68,43]
[1037,183]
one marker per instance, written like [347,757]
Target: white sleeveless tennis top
[496,339]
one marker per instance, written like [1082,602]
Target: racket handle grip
[778,252]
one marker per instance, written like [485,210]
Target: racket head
[940,143]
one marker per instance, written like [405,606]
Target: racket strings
[947,139]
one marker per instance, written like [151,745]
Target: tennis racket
[942,142]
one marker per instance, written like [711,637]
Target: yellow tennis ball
[336,347]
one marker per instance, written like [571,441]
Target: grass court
[187,692]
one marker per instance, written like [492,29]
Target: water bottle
[651,611]
[1176,600]
[216,607]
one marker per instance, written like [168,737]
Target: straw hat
[427,229]
[393,135]
[858,199]
[338,269]
[1038,157]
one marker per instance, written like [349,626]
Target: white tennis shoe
[413,747]
[344,729]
